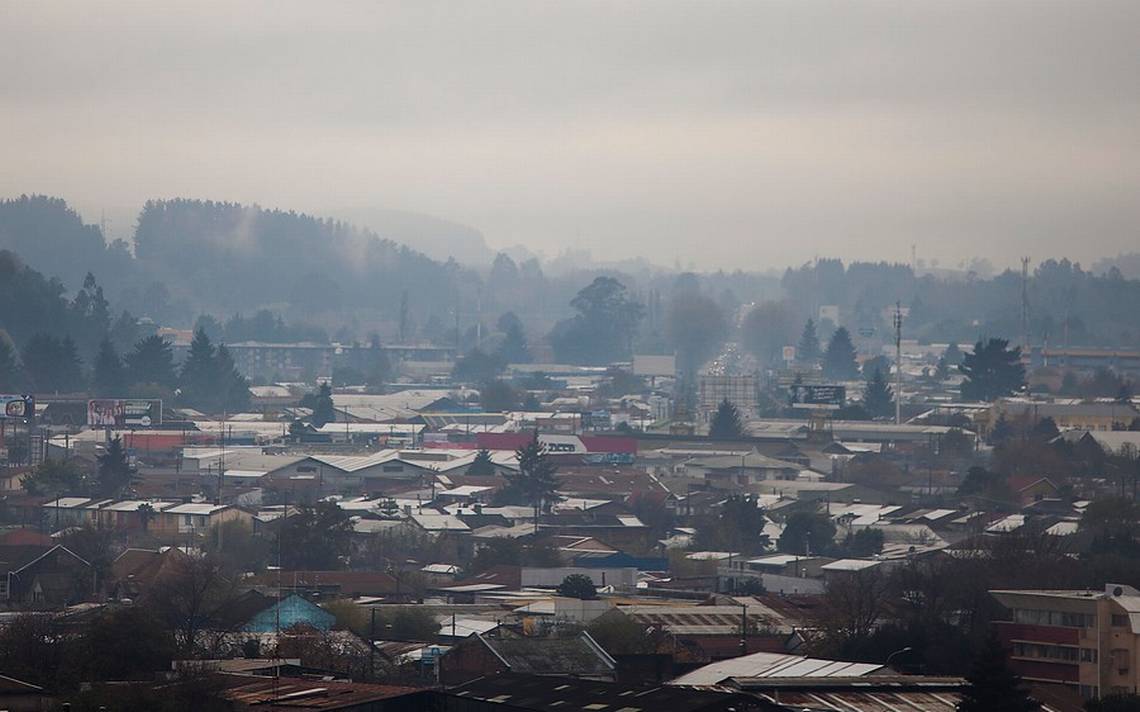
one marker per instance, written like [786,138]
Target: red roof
[297,693]
[24,537]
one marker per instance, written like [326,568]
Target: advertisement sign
[123,413]
[817,395]
[17,406]
[664,366]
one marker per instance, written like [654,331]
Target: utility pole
[743,629]
[898,363]
[1024,305]
[222,460]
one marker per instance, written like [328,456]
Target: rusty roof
[307,694]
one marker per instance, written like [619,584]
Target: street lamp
[900,651]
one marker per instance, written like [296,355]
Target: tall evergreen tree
[108,376]
[514,348]
[116,475]
[534,484]
[198,370]
[807,351]
[10,377]
[992,371]
[992,686]
[152,361]
[953,354]
[878,399]
[726,422]
[52,365]
[839,360]
[482,465]
[233,388]
[70,366]
[210,381]
[321,403]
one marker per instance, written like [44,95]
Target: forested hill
[194,256]
[229,256]
[51,237]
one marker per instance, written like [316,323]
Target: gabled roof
[559,694]
[774,665]
[579,656]
[15,559]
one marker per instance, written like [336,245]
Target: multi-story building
[1086,640]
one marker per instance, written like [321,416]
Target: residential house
[526,693]
[292,610]
[44,577]
[481,656]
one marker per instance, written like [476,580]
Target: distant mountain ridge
[436,237]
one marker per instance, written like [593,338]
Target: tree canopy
[839,359]
[878,399]
[726,422]
[992,685]
[992,371]
[807,350]
[603,329]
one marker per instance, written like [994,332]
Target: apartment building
[1087,640]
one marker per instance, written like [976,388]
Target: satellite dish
[1118,591]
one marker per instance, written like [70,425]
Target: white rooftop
[774,665]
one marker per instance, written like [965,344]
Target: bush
[578,586]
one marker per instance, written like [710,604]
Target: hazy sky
[745,135]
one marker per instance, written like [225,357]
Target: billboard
[664,366]
[123,413]
[803,395]
[17,406]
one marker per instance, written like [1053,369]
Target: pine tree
[198,371]
[210,381]
[726,422]
[1001,431]
[321,403]
[953,354]
[992,686]
[514,348]
[992,371]
[482,465]
[152,361]
[70,367]
[942,370]
[878,400]
[534,484]
[109,377]
[839,360]
[116,475]
[9,367]
[807,351]
[232,387]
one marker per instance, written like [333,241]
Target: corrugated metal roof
[773,665]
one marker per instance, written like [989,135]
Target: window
[306,468]
[1088,655]
[1120,660]
[1061,653]
[393,468]
[1119,621]
[188,520]
[1030,616]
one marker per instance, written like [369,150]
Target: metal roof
[774,665]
